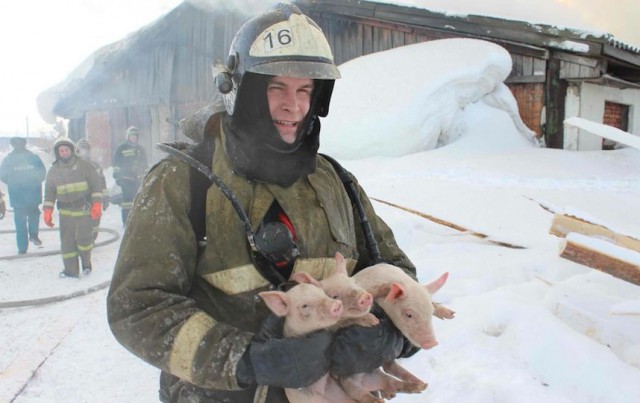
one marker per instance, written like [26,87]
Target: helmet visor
[299,69]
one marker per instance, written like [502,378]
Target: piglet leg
[409,382]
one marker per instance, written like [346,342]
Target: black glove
[292,363]
[359,349]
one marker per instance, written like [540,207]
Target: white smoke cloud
[618,17]
[249,8]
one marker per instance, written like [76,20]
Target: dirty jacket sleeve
[149,310]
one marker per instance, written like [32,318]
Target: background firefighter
[129,167]
[75,185]
[23,172]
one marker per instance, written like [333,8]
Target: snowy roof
[561,15]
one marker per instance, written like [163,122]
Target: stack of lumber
[598,247]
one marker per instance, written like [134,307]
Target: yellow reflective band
[294,37]
[85,248]
[69,255]
[72,188]
[72,213]
[237,280]
[130,152]
[186,344]
[48,204]
[96,195]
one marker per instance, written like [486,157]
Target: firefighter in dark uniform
[194,311]
[129,166]
[74,184]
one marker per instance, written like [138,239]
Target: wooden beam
[450,224]
[564,224]
[555,93]
[585,255]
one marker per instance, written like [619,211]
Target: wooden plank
[527,66]
[382,39]
[397,39]
[585,255]
[367,39]
[450,225]
[564,224]
[605,131]
[524,79]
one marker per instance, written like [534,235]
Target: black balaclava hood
[253,143]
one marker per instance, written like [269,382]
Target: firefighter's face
[289,102]
[64,152]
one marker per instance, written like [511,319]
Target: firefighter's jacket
[23,172]
[195,319]
[75,185]
[129,162]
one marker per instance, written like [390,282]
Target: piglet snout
[429,344]
[335,308]
[365,301]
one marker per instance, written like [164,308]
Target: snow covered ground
[529,327]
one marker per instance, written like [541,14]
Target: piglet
[409,306]
[306,308]
[355,300]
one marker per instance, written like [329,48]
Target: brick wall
[616,115]
[530,99]
[98,130]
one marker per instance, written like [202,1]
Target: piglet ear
[277,302]
[396,292]
[437,284]
[341,265]
[304,278]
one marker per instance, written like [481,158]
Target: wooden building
[161,74]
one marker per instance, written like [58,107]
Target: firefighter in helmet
[192,308]
[74,185]
[129,167]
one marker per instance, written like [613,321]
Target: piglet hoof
[369,320]
[414,387]
[442,312]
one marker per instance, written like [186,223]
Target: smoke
[247,8]
[618,17]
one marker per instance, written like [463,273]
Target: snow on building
[161,73]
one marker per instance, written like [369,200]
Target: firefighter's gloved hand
[105,205]
[293,363]
[358,349]
[48,216]
[3,209]
[96,211]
